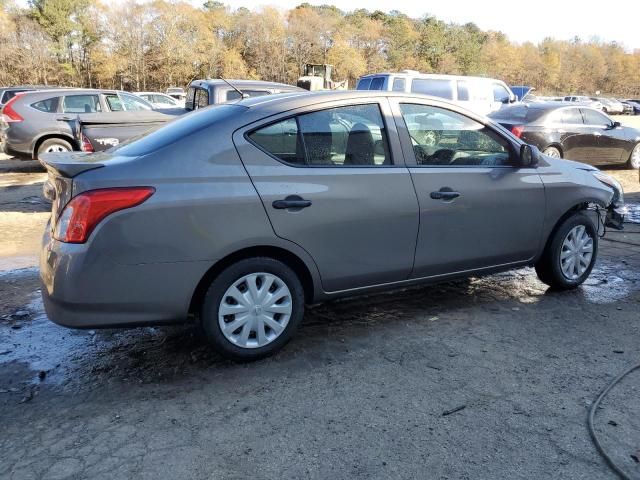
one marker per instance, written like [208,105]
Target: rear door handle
[292,201]
[444,195]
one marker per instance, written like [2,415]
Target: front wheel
[252,308]
[634,158]
[570,253]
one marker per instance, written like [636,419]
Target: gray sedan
[243,213]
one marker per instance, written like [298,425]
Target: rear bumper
[84,290]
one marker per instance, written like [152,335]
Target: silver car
[243,213]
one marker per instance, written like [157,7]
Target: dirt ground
[485,378]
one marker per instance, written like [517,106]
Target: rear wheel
[634,159]
[252,308]
[553,152]
[54,145]
[570,254]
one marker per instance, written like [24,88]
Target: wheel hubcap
[635,157]
[56,148]
[576,252]
[255,310]
[552,152]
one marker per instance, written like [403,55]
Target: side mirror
[513,98]
[617,124]
[529,156]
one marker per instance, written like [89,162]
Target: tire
[634,159]
[54,145]
[238,344]
[549,268]
[553,152]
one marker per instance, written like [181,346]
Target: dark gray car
[42,121]
[243,213]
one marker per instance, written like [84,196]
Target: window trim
[255,128]
[513,154]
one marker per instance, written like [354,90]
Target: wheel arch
[62,136]
[557,145]
[290,259]
[578,207]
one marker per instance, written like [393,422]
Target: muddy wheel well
[42,139]
[288,258]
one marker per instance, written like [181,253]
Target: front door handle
[291,201]
[444,195]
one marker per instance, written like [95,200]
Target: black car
[202,93]
[635,105]
[575,132]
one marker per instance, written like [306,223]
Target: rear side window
[344,136]
[50,105]
[570,116]
[364,84]
[233,95]
[377,83]
[81,104]
[434,87]
[399,84]
[463,90]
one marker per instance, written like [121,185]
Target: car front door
[478,208]
[351,205]
[610,143]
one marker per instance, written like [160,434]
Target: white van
[478,94]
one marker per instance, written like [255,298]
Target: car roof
[243,83]
[434,76]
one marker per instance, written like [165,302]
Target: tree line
[157,44]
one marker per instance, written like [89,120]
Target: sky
[520,20]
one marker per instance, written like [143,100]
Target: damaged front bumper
[614,217]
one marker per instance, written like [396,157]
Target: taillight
[85,211]
[517,130]
[9,115]
[85,144]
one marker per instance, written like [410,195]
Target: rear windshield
[178,129]
[518,113]
[435,87]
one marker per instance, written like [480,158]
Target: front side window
[234,95]
[81,104]
[50,105]
[364,84]
[591,117]
[433,87]
[133,104]
[500,93]
[444,138]
[343,136]
[201,98]
[114,102]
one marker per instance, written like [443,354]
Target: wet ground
[479,379]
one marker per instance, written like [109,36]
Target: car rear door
[478,209]
[350,204]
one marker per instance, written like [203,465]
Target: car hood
[563,164]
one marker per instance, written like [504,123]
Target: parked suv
[202,93]
[245,212]
[478,94]
[33,123]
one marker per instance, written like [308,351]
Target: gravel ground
[479,379]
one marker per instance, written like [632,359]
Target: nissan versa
[243,213]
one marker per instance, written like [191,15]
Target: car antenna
[242,94]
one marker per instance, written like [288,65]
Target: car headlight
[609,181]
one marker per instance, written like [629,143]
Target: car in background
[610,106]
[41,121]
[582,100]
[160,100]
[202,93]
[272,212]
[573,132]
[635,104]
[7,93]
[478,94]
[627,108]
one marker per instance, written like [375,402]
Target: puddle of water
[609,283]
[10,264]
